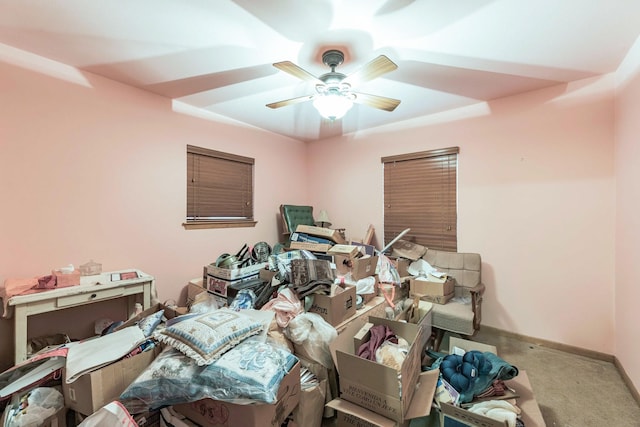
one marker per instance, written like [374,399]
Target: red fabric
[379,334]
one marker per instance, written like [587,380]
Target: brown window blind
[219,186]
[420,194]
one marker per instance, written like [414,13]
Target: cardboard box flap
[469,418]
[360,412]
[420,405]
[467,345]
[531,414]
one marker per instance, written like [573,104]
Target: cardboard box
[402,265]
[216,413]
[267,275]
[347,250]
[437,299]
[311,247]
[193,290]
[224,288]
[234,273]
[421,287]
[375,386]
[327,233]
[358,267]
[525,400]
[335,309]
[467,345]
[421,315]
[531,415]
[95,389]
[350,414]
[169,313]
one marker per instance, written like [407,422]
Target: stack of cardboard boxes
[224,283]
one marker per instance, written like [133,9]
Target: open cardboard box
[531,415]
[349,414]
[374,386]
[216,413]
[522,393]
[95,389]
[358,267]
[336,308]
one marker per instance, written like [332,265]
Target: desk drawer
[83,298]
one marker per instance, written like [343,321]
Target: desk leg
[146,296]
[20,333]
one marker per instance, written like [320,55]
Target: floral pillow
[172,378]
[252,370]
[206,337]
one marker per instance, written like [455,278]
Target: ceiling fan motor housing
[332,58]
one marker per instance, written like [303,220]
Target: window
[219,189]
[420,194]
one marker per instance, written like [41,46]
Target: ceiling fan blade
[291,101]
[374,68]
[291,68]
[375,101]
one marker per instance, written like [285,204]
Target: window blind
[219,185]
[420,193]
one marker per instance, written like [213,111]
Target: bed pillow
[206,337]
[252,371]
[171,378]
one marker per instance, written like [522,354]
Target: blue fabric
[492,368]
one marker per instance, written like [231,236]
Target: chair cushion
[453,316]
[294,215]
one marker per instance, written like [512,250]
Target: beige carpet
[571,390]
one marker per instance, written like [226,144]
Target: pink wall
[535,199]
[91,169]
[627,218]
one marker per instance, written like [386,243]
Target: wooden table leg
[20,334]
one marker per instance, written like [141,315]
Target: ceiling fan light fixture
[332,105]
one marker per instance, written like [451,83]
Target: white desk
[91,289]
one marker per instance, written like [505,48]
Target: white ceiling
[218,55]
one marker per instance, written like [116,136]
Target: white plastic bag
[41,403]
[313,334]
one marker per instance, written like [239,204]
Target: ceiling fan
[334,96]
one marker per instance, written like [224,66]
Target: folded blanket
[14,287]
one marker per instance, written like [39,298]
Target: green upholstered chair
[294,215]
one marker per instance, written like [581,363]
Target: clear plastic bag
[313,334]
[31,408]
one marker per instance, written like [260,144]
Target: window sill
[197,225]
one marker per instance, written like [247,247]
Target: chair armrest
[477,289]
[476,304]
